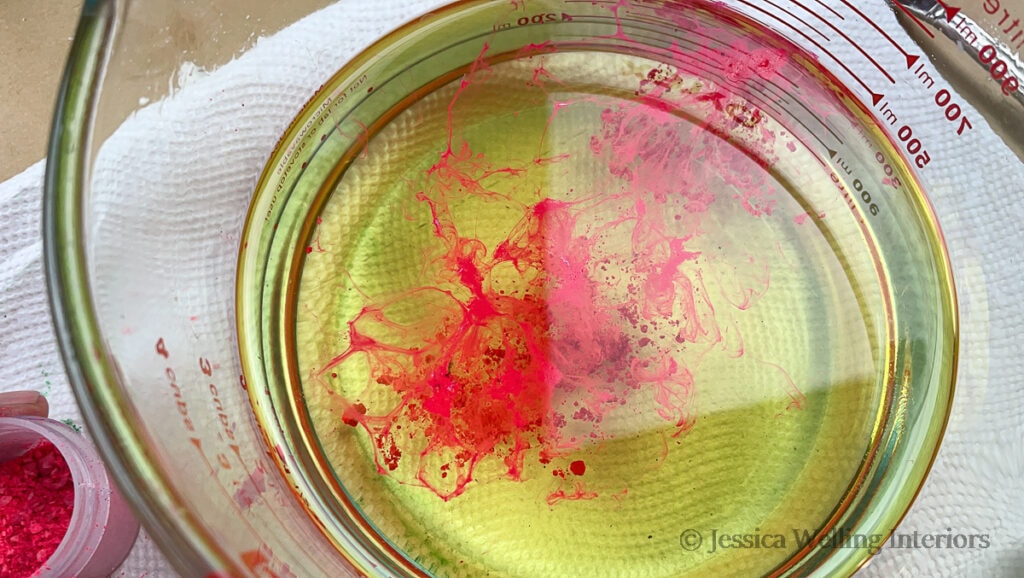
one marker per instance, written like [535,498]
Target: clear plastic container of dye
[102,528]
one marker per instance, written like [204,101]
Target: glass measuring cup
[147,312]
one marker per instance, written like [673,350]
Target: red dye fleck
[251,488]
[37,496]
[353,414]
[619,497]
[740,65]
[262,562]
[524,346]
[577,491]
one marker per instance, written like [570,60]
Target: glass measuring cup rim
[120,441]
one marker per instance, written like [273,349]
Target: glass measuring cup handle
[979,63]
[984,48]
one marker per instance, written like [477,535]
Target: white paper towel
[975,486]
[29,358]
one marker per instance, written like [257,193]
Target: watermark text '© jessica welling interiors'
[715,540]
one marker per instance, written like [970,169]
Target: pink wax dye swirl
[591,307]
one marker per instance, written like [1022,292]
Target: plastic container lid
[102,528]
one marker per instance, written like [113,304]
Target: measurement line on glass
[861,49]
[911,59]
[262,557]
[779,94]
[948,11]
[943,98]
[1000,66]
[776,94]
[771,14]
[830,9]
[792,16]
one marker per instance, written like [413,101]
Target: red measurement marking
[806,24]
[951,12]
[711,66]
[909,14]
[875,96]
[852,43]
[262,562]
[707,68]
[910,58]
[830,9]
[998,69]
[161,348]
